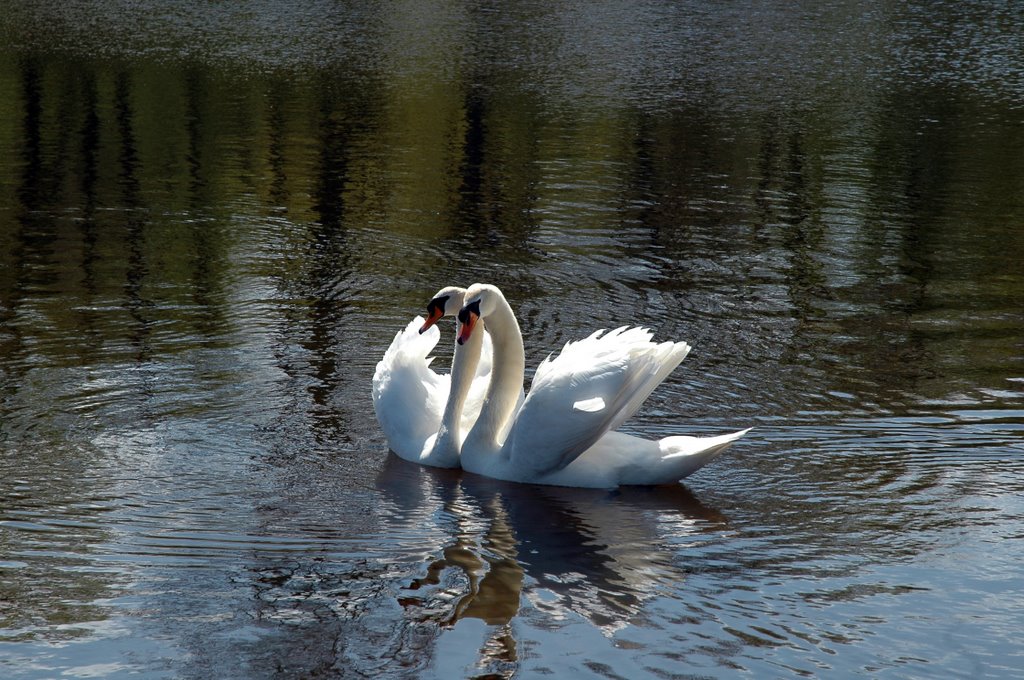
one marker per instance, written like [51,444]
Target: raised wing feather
[591,387]
[409,396]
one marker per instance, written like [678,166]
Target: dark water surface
[215,216]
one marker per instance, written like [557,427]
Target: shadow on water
[322,289]
[583,551]
[139,307]
[209,234]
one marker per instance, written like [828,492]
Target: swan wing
[591,387]
[409,396]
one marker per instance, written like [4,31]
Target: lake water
[215,216]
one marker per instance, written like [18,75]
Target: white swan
[424,414]
[563,432]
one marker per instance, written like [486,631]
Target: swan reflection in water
[591,552]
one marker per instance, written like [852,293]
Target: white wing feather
[591,387]
[409,396]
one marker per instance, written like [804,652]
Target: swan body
[564,432]
[425,414]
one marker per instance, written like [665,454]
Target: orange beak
[435,315]
[466,329]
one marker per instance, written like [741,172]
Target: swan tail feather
[685,455]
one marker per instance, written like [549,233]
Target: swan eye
[436,306]
[472,308]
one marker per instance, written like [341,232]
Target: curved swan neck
[507,372]
[464,365]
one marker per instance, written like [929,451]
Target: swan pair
[563,433]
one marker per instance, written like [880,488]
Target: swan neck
[464,364]
[506,379]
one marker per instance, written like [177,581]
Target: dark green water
[214,218]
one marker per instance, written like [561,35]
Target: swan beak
[435,316]
[466,328]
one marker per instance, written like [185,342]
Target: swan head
[480,300]
[446,302]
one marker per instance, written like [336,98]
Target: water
[213,219]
